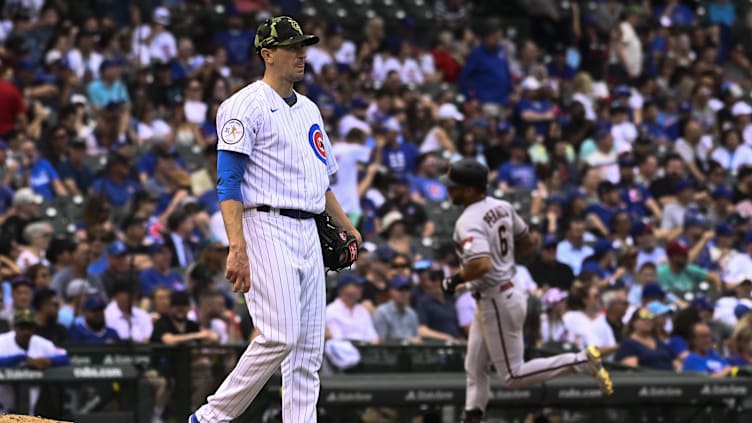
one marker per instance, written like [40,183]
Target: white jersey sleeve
[472,240]
[519,225]
[238,122]
[489,228]
[331,161]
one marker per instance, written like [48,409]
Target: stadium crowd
[621,131]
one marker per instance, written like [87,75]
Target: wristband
[734,371]
[457,279]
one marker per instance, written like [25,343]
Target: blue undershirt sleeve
[230,169]
[60,360]
[12,360]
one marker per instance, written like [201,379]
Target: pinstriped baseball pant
[287,301]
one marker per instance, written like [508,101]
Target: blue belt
[295,214]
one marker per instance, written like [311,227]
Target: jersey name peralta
[489,228]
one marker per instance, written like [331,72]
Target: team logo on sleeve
[467,244]
[232,131]
[316,139]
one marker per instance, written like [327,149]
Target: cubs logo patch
[316,139]
[232,131]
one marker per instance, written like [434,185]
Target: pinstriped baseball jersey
[290,157]
[489,228]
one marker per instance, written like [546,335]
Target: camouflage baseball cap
[281,31]
[23,317]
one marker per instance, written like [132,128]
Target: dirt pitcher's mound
[12,418]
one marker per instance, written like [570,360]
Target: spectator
[742,342]
[173,329]
[414,215]
[92,329]
[74,296]
[152,41]
[664,189]
[40,276]
[180,228]
[517,174]
[732,154]
[722,206]
[572,250]
[675,213]
[534,109]
[488,66]
[109,89]
[79,263]
[134,237]
[726,307]
[552,323]
[647,249]
[616,303]
[119,269]
[684,321]
[635,196]
[346,318]
[84,59]
[234,38]
[680,277]
[425,185]
[176,328]
[160,273]
[647,276]
[642,347]
[702,357]
[159,302]
[436,313]
[46,306]
[628,47]
[59,253]
[73,171]
[211,314]
[131,323]
[355,119]
[21,347]
[351,153]
[601,263]
[584,322]
[21,296]
[721,12]
[395,319]
[400,159]
[39,174]
[38,236]
[600,215]
[551,272]
[740,265]
[721,250]
[116,184]
[13,109]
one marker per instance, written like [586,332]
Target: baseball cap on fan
[281,31]
[466,172]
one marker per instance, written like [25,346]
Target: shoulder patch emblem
[232,131]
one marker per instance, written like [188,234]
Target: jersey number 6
[504,244]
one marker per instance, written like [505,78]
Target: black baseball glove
[338,247]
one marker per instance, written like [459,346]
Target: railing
[397,378]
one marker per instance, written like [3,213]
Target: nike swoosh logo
[274,110]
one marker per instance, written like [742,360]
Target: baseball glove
[338,247]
